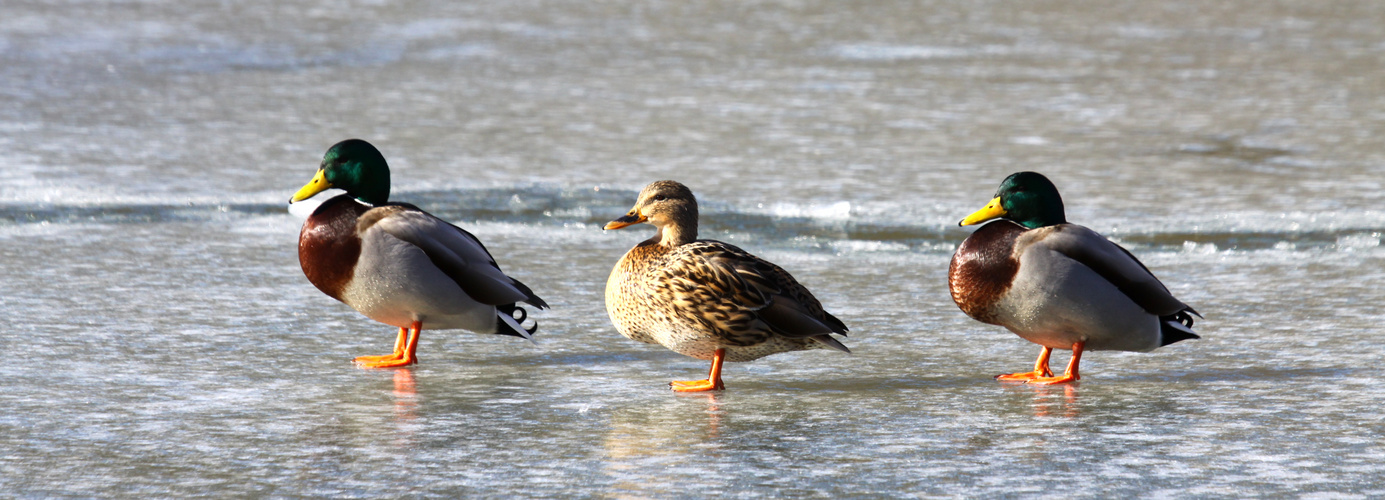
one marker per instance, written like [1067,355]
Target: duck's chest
[983,270]
[638,299]
[328,247]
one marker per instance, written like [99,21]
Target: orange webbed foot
[404,348]
[1040,369]
[371,359]
[1069,375]
[386,362]
[711,383]
[1024,376]
[1061,379]
[696,385]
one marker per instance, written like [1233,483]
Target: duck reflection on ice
[405,404]
[665,429]
[642,439]
[1049,403]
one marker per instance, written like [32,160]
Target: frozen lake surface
[163,341]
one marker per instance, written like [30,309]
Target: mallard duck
[397,264]
[1057,284]
[704,298]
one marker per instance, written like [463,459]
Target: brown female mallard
[704,298]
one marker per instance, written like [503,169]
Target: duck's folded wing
[1115,264]
[767,291]
[454,251]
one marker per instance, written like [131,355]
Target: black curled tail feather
[1169,327]
[519,315]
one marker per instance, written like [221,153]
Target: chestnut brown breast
[983,268]
[328,246]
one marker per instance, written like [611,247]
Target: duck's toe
[386,361]
[1061,379]
[696,385]
[1024,376]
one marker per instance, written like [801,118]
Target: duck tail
[835,324]
[530,298]
[508,322]
[1177,327]
[828,341]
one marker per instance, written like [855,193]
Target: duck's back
[705,295]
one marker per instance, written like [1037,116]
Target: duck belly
[641,316]
[628,305]
[692,341]
[1056,301]
[396,284]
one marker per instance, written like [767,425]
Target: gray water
[163,342]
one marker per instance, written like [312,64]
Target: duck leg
[713,381]
[399,344]
[1040,369]
[401,357]
[1069,375]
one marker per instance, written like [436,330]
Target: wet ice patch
[863,246]
[266,225]
[879,52]
[1358,241]
[1199,248]
[461,51]
[830,211]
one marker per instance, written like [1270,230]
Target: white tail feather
[1179,326]
[515,324]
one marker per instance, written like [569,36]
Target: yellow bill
[313,187]
[629,219]
[990,211]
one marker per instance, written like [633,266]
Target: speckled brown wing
[740,298]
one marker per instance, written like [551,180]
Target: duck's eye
[660,197]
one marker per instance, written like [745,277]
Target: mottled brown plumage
[700,296]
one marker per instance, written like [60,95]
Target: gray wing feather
[456,253]
[1113,263]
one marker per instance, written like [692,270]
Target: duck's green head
[355,166]
[1027,198]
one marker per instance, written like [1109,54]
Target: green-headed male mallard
[397,264]
[705,298]
[1059,285]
